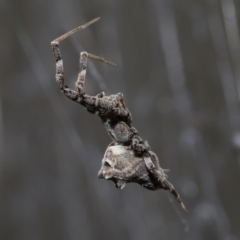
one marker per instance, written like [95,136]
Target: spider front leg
[83,71]
[99,104]
[73,95]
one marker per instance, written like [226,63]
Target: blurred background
[179,71]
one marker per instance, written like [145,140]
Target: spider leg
[138,145]
[59,62]
[64,36]
[100,103]
[168,186]
[83,70]
[73,95]
[149,164]
[162,177]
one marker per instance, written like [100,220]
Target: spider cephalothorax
[115,117]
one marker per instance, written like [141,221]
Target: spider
[111,109]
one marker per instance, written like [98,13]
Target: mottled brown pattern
[133,169]
[131,159]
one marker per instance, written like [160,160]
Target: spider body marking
[111,109]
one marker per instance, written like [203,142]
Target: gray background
[179,68]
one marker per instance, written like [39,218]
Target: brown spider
[114,114]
